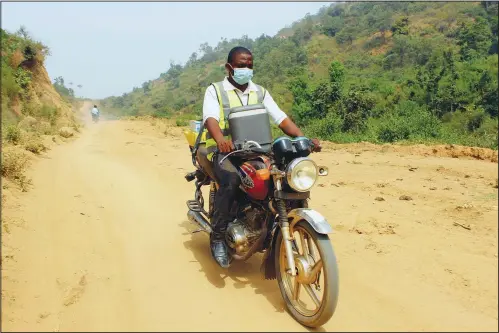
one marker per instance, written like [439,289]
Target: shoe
[220,253]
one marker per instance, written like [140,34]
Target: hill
[379,72]
[35,112]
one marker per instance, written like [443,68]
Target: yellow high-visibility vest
[228,100]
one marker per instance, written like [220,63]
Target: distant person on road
[95,113]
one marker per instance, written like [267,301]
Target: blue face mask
[242,75]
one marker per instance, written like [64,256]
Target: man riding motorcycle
[237,90]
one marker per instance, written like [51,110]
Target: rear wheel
[312,294]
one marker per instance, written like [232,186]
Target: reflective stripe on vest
[228,100]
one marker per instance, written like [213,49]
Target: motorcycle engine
[242,233]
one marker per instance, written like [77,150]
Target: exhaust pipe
[198,219]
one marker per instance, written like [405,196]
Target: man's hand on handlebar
[225,146]
[316,145]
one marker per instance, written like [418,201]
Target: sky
[111,47]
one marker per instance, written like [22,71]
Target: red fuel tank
[255,177]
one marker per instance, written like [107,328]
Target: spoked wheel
[312,294]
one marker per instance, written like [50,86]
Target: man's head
[240,65]
[95,106]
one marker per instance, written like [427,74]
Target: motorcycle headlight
[302,174]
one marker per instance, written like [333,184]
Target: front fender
[314,218]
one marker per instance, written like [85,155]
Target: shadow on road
[244,274]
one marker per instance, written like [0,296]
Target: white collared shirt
[211,108]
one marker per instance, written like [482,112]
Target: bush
[14,164]
[357,106]
[49,113]
[326,127]
[181,122]
[408,122]
[23,79]
[35,146]
[13,134]
[66,132]
[393,129]
[10,88]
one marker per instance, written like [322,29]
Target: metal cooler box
[250,123]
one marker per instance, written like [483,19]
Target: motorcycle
[273,218]
[95,117]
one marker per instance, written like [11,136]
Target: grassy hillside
[33,109]
[379,72]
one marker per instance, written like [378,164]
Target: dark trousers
[228,180]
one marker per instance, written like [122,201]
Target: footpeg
[194,206]
[190,176]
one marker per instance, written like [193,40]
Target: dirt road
[101,242]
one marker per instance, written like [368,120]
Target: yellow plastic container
[191,137]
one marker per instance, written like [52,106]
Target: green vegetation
[31,105]
[67,93]
[381,72]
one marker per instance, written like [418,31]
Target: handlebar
[246,148]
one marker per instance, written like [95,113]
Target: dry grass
[167,127]
[15,161]
[16,59]
[44,127]
[13,134]
[29,115]
[66,132]
[35,145]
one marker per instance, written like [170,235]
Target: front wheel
[312,294]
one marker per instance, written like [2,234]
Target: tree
[61,88]
[23,32]
[301,107]
[322,97]
[336,10]
[357,106]
[146,87]
[192,59]
[346,35]
[401,26]
[174,71]
[487,89]
[330,25]
[302,34]
[475,38]
[314,104]
[454,76]
[205,48]
[59,81]
[336,72]
[428,79]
